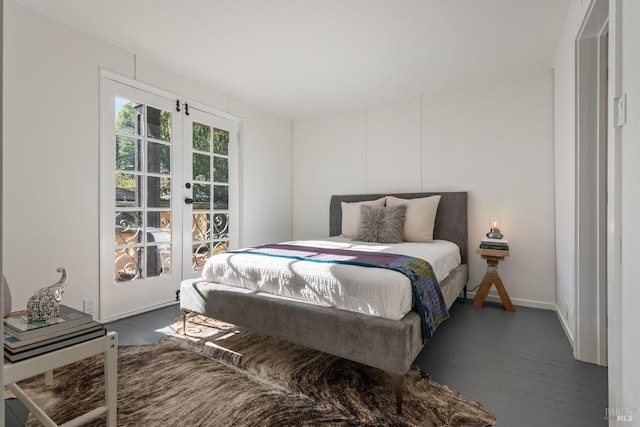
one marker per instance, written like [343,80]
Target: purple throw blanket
[426,290]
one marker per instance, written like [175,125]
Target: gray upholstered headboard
[451,219]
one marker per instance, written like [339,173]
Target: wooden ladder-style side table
[493,257]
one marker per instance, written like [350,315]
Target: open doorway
[591,186]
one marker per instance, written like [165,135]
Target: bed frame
[390,345]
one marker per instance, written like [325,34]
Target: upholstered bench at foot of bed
[390,345]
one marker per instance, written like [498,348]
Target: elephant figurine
[45,304]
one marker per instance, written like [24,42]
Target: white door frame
[590,342]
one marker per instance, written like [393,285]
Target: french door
[167,195]
[207,155]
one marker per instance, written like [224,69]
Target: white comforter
[373,291]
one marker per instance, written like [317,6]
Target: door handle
[188,200]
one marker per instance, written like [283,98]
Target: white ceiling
[301,58]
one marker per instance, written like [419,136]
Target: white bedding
[372,291]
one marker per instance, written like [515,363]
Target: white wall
[328,158]
[565,162]
[266,177]
[51,164]
[496,141]
[564,156]
[493,140]
[626,381]
[393,129]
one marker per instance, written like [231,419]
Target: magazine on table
[14,344]
[21,355]
[19,325]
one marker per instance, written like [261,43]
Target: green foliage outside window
[129,118]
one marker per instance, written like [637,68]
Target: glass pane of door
[210,185]
[143,194]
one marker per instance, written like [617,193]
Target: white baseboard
[533,304]
[133,313]
[565,326]
[516,301]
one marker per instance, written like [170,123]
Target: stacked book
[24,339]
[494,244]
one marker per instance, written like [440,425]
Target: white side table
[45,363]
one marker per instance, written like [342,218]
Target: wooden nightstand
[493,257]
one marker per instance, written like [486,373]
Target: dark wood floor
[519,365]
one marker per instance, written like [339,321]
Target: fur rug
[225,376]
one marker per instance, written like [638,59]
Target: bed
[388,344]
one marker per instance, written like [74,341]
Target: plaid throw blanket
[426,290]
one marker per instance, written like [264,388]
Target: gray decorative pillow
[381,224]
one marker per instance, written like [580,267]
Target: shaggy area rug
[226,376]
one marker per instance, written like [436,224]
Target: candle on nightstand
[494,233]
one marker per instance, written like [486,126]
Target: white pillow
[420,217]
[351,216]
